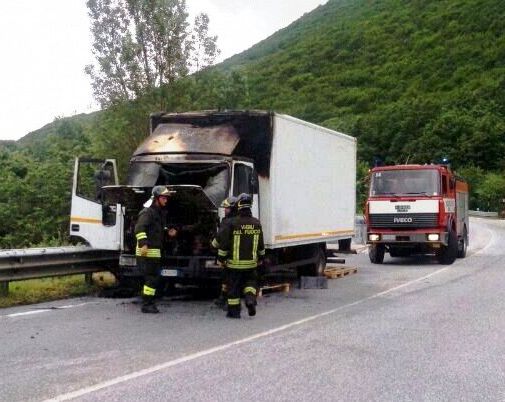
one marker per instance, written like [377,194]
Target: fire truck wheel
[447,254]
[463,245]
[376,253]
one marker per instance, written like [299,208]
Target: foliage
[491,192]
[35,188]
[40,290]
[362,170]
[140,45]
[413,81]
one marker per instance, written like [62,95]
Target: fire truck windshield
[405,182]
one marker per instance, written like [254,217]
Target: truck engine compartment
[192,210]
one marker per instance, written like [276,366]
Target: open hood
[134,197]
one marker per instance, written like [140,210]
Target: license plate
[388,237]
[168,272]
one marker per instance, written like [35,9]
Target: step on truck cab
[302,178]
[414,209]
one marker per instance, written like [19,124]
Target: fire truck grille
[404,221]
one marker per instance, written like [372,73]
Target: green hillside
[413,80]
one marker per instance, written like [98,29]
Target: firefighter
[229,205]
[241,250]
[149,232]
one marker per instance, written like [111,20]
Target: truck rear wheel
[317,268]
[447,254]
[376,253]
[463,245]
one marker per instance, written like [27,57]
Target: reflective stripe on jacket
[240,242]
[149,231]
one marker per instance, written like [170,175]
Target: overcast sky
[45,45]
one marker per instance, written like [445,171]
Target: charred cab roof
[241,134]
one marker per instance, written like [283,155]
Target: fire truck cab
[417,209]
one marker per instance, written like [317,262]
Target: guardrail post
[4,288]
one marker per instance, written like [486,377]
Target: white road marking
[90,389]
[489,244]
[45,310]
[26,313]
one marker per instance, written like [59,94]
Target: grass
[46,289]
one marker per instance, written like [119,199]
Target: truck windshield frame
[405,182]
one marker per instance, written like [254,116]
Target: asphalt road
[409,329]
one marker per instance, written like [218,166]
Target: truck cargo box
[310,194]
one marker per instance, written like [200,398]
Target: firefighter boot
[233,310]
[250,303]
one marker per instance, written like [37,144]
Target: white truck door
[90,218]
[245,180]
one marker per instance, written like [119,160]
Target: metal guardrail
[483,214]
[35,263]
[21,264]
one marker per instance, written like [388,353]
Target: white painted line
[118,380]
[26,313]
[75,305]
[491,242]
[45,310]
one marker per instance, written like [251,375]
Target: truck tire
[376,253]
[447,254]
[463,244]
[317,268]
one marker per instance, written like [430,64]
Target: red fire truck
[417,209]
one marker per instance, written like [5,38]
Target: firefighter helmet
[161,190]
[244,201]
[229,202]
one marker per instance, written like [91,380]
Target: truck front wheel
[447,254]
[376,253]
[463,244]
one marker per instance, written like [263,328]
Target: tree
[143,44]
[204,49]
[492,192]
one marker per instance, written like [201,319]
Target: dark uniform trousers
[152,280]
[240,246]
[149,232]
[241,281]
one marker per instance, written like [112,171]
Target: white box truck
[302,178]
